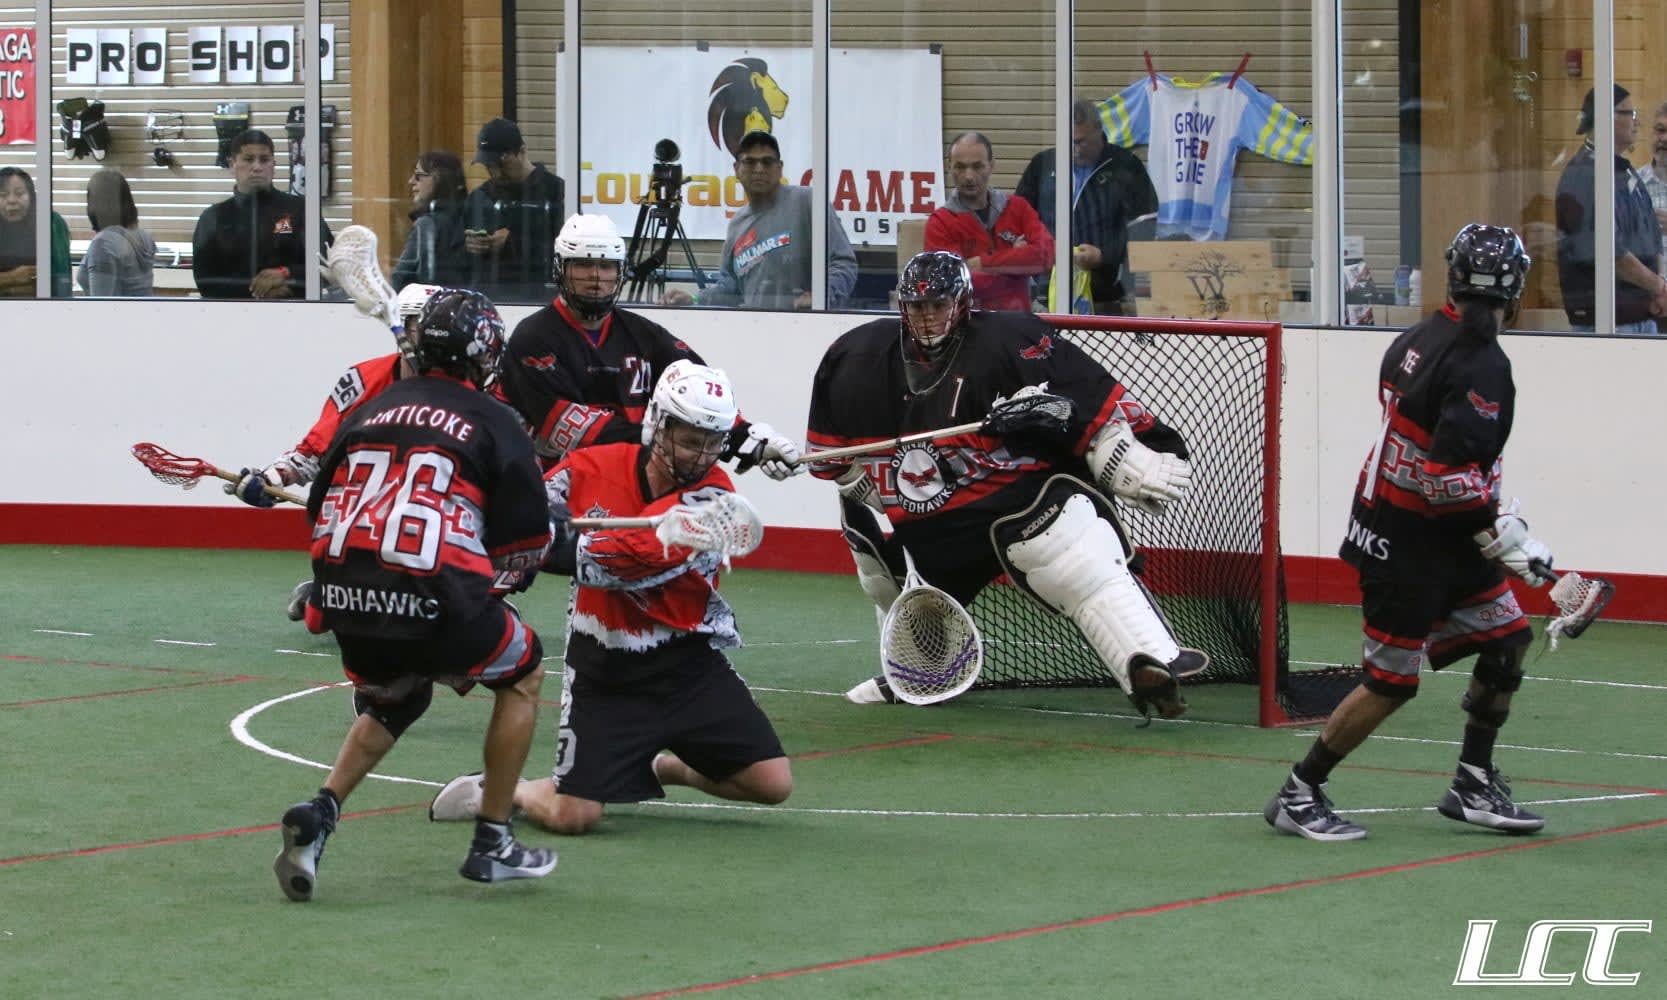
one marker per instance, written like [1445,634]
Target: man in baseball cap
[512,219]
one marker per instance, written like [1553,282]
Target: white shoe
[459,800]
[874,691]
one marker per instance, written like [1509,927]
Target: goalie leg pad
[1499,674]
[1065,553]
[869,546]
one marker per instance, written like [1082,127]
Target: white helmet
[413,297]
[694,394]
[589,237]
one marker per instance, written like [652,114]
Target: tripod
[657,225]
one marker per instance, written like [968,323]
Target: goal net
[1213,560]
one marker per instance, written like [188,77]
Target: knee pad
[1499,672]
[397,707]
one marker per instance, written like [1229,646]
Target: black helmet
[461,333]
[929,277]
[1487,262]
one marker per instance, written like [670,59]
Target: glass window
[22,255]
[1191,160]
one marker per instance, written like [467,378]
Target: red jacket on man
[1002,280]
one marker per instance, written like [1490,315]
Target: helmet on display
[934,276]
[459,332]
[413,297]
[589,237]
[1487,262]
[694,396]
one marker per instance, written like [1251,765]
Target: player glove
[856,485]
[1151,479]
[250,488]
[776,455]
[1509,544]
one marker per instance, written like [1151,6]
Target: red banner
[17,85]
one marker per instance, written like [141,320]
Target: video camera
[666,182]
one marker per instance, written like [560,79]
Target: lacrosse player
[580,370]
[971,507]
[646,628]
[425,494]
[1431,544]
[299,465]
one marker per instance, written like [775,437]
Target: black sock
[1316,767]
[1478,746]
[490,833]
[331,805]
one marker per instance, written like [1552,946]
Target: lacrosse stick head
[728,525]
[355,268]
[1036,412]
[1579,600]
[930,649]
[169,467]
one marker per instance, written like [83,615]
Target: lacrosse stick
[930,650]
[1580,599]
[185,472]
[355,268]
[728,525]
[1036,412]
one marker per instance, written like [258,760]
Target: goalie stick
[930,649]
[1580,599]
[184,472]
[1036,412]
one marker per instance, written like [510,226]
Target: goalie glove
[776,455]
[1509,544]
[856,486]
[1150,479]
[251,484]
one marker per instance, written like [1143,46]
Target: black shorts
[1441,608]
[495,650]
[701,711]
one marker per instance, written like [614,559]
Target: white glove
[855,484]
[1129,469]
[1509,544]
[778,456]
[292,469]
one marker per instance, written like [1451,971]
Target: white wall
[237,383]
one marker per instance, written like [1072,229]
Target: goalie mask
[460,333]
[935,295]
[590,238]
[689,419]
[1487,262]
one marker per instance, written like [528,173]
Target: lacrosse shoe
[496,856]
[306,826]
[1481,797]
[1304,810]
[459,800]
[297,608]
[874,691]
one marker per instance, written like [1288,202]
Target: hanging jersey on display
[1195,132]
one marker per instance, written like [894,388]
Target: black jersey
[426,490]
[958,484]
[576,387]
[1432,477]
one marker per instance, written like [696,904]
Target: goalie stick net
[1213,560]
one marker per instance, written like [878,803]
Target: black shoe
[306,826]
[1155,689]
[297,607]
[1481,798]
[505,860]
[1304,810]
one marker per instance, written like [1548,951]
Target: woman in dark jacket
[434,253]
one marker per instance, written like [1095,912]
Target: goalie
[1432,546]
[1023,494]
[648,697]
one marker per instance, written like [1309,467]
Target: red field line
[1144,911]
[60,662]
[867,747]
[117,694]
[186,838]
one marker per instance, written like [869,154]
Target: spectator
[17,239]
[512,219]
[1000,236]
[1640,292]
[254,244]
[1654,174]
[1110,191]
[121,258]
[766,257]
[434,253]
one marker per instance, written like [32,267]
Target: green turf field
[1013,844]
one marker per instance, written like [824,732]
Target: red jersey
[358,384]
[637,607]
